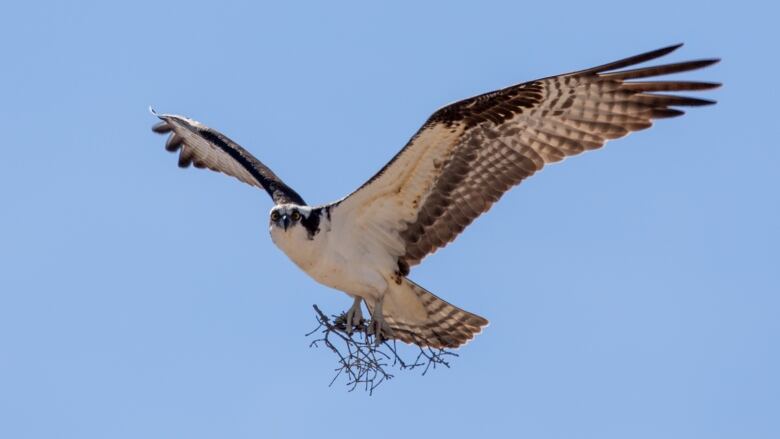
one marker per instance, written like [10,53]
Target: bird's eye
[275,216]
[296,216]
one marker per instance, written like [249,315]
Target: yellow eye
[275,216]
[296,216]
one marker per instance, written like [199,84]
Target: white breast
[332,261]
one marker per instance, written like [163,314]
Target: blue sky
[632,292]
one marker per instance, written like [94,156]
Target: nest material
[364,362]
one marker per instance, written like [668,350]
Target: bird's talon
[354,316]
[380,330]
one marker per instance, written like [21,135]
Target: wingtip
[633,60]
[160,127]
[668,49]
[154,112]
[710,85]
[701,63]
[704,62]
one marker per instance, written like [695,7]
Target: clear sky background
[632,292]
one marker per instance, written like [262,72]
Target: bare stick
[361,360]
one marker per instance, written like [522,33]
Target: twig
[361,360]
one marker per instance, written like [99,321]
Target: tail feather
[418,317]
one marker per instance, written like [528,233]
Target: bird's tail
[417,316]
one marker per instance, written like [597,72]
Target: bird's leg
[354,315]
[378,327]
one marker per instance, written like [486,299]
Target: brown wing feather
[205,147]
[468,154]
[518,130]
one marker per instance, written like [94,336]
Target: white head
[293,218]
[295,230]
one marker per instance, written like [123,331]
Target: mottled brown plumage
[446,326]
[507,135]
[468,154]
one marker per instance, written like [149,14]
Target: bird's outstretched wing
[205,147]
[468,154]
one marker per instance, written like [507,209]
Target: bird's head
[285,217]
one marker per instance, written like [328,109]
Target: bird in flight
[460,162]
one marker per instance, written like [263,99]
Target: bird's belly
[335,266]
[339,276]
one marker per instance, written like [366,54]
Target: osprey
[462,160]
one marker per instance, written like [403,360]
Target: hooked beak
[285,222]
